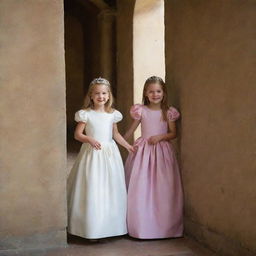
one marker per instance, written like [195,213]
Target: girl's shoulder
[82,115]
[136,111]
[117,115]
[172,114]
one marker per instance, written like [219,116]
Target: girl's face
[154,93]
[100,95]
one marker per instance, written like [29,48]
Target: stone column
[107,22]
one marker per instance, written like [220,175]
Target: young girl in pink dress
[155,197]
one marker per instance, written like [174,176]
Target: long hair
[164,102]
[88,103]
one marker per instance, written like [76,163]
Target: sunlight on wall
[148,44]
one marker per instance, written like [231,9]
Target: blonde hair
[88,103]
[164,102]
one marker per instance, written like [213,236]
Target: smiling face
[154,93]
[100,95]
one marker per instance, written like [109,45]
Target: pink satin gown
[155,197]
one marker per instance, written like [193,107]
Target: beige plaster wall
[210,57]
[32,113]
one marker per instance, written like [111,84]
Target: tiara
[100,80]
[154,79]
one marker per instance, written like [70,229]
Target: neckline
[99,111]
[152,109]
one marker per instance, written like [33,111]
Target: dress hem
[159,237]
[98,237]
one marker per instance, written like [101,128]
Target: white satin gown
[96,185]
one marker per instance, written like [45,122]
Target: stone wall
[33,125]
[210,57]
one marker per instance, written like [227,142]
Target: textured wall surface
[210,57]
[32,105]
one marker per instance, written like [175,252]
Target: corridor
[204,50]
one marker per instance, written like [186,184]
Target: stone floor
[122,246]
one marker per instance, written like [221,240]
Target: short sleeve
[81,116]
[136,111]
[117,116]
[172,114]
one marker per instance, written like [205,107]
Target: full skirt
[96,193]
[155,197]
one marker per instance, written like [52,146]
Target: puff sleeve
[117,116]
[136,111]
[81,116]
[172,114]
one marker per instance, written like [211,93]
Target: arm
[167,136]
[80,136]
[120,140]
[132,128]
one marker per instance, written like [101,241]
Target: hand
[154,139]
[95,144]
[131,149]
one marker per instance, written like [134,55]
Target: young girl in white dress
[96,184]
